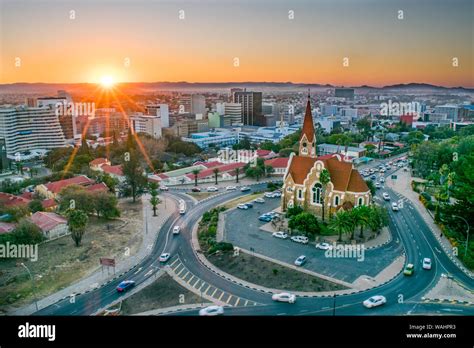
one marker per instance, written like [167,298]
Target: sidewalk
[402,185]
[150,231]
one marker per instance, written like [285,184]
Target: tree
[108,180]
[76,197]
[195,173]
[154,200]
[130,140]
[378,218]
[371,186]
[269,170]
[340,223]
[134,177]
[105,204]
[254,172]
[324,179]
[361,216]
[84,150]
[237,172]
[35,205]
[77,222]
[304,222]
[27,232]
[216,173]
[293,211]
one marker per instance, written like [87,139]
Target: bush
[426,196]
[221,246]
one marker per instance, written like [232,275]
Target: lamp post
[34,286]
[467,233]
[334,305]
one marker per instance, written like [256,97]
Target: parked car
[373,177]
[281,235]
[426,263]
[164,257]
[382,179]
[386,196]
[264,218]
[125,285]
[395,206]
[196,189]
[164,188]
[405,169]
[300,239]
[324,246]
[211,311]
[212,189]
[231,188]
[249,204]
[176,229]
[259,200]
[276,194]
[284,297]
[409,269]
[268,194]
[377,185]
[300,261]
[242,206]
[245,189]
[375,301]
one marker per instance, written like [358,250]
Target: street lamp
[334,305]
[34,286]
[467,233]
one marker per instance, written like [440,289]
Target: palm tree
[77,222]
[324,179]
[195,173]
[339,223]
[237,172]
[216,173]
[362,215]
[154,200]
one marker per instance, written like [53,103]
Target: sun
[107,81]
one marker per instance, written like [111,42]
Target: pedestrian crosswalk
[180,270]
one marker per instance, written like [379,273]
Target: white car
[375,301]
[259,200]
[300,239]
[382,179]
[211,311]
[324,246]
[231,188]
[284,297]
[212,189]
[164,257]
[300,261]
[426,263]
[281,235]
[276,194]
[164,188]
[245,189]
[268,194]
[242,206]
[395,206]
[386,196]
[176,229]
[377,185]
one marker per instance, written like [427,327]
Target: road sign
[107,262]
[394,177]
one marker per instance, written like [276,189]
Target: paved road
[403,293]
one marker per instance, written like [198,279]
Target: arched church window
[317,193]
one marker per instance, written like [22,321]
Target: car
[405,169]
[386,196]
[164,188]
[268,194]
[259,200]
[300,261]
[125,285]
[409,269]
[390,163]
[276,194]
[271,214]
[284,297]
[242,206]
[231,188]
[281,235]
[249,204]
[300,239]
[212,189]
[375,301]
[324,246]
[382,179]
[244,189]
[388,167]
[395,206]
[196,189]
[382,170]
[373,177]
[176,229]
[211,311]
[164,257]
[265,218]
[377,185]
[426,263]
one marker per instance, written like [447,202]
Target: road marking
[220,297]
[246,302]
[171,265]
[205,292]
[214,292]
[148,273]
[237,302]
[184,269]
[197,281]
[189,281]
[228,300]
[138,270]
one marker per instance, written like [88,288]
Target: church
[301,183]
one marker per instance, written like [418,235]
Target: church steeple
[308,135]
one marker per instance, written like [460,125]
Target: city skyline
[155,41]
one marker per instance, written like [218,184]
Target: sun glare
[107,81]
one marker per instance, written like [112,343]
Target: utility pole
[34,286]
[467,234]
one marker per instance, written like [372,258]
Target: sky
[238,40]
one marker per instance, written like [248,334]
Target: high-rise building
[147,124]
[231,110]
[26,129]
[251,107]
[4,164]
[162,111]
[452,111]
[347,93]
[66,119]
[194,104]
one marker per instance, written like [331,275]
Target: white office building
[147,124]
[231,110]
[30,128]
[162,111]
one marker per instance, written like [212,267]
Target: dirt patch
[162,293]
[269,274]
[60,263]
[244,199]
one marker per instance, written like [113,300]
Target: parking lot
[242,230]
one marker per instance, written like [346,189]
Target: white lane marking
[138,270]
[148,273]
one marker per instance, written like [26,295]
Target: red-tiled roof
[263,153]
[116,170]
[57,186]
[279,162]
[211,164]
[98,161]
[47,221]
[6,227]
[97,187]
[308,126]
[222,169]
[48,203]
[9,200]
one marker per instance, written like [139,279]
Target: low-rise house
[8,200]
[52,189]
[6,227]
[52,225]
[278,164]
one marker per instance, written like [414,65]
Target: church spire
[308,138]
